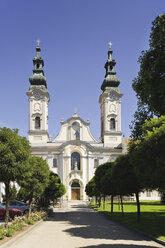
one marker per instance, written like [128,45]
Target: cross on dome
[38,41]
[110,44]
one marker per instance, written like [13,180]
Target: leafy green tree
[35,180]
[107,185]
[149,84]
[140,116]
[99,173]
[54,190]
[14,152]
[91,189]
[125,179]
[148,154]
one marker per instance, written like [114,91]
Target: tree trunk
[138,206]
[99,201]
[104,202]
[7,189]
[122,210]
[30,206]
[163,198]
[111,203]
[96,201]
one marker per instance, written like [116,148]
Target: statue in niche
[76,128]
[77,135]
[76,166]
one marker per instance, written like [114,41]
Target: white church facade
[74,154]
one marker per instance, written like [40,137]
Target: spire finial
[75,110]
[110,44]
[38,41]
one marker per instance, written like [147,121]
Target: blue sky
[74,38]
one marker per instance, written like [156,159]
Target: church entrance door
[75,194]
[75,191]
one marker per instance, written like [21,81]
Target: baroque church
[75,154]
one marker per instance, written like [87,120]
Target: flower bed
[19,224]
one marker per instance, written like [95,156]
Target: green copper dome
[38,77]
[110,79]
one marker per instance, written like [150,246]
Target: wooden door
[75,194]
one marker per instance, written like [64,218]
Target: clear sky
[74,38]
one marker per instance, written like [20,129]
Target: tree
[35,180]
[140,116]
[91,189]
[99,173]
[55,189]
[14,152]
[125,179]
[107,185]
[148,154]
[149,84]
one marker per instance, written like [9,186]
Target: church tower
[110,101]
[38,102]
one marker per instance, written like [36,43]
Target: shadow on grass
[152,223]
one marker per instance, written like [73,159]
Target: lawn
[152,216]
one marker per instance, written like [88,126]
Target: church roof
[38,77]
[110,79]
[76,117]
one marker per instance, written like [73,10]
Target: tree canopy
[124,176]
[91,189]
[55,189]
[35,180]
[107,182]
[14,152]
[149,84]
[100,172]
[148,154]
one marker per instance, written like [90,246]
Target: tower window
[38,66]
[37,123]
[55,163]
[112,123]
[75,161]
[96,163]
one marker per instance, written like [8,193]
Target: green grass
[152,216]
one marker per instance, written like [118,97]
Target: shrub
[2,233]
[29,221]
[18,223]
[10,231]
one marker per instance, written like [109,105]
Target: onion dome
[38,77]
[110,79]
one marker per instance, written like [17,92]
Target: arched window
[75,185]
[112,123]
[75,161]
[37,123]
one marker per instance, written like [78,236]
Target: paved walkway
[77,226]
